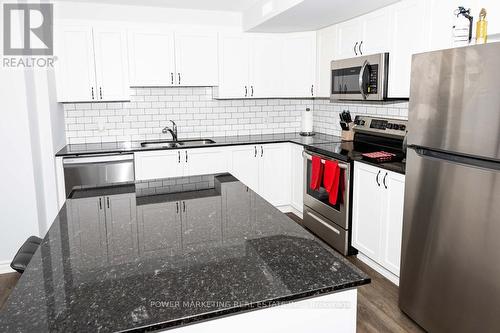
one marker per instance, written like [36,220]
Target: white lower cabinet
[264,169]
[179,162]
[377,216]
[157,164]
[245,165]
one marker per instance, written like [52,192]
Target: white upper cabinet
[75,69]
[93,64]
[164,58]
[350,34]
[299,64]
[234,57]
[152,58]
[376,32]
[367,34]
[265,66]
[326,46]
[196,59]
[408,37]
[111,64]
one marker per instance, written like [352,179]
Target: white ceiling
[310,15]
[220,5]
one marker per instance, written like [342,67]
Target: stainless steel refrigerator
[450,263]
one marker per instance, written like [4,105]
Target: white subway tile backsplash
[198,114]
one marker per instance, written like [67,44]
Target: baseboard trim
[385,273]
[5,267]
[290,209]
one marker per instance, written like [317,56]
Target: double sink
[176,144]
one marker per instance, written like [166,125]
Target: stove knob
[362,122]
[389,126]
[402,127]
[395,127]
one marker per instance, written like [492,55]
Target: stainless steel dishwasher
[97,170]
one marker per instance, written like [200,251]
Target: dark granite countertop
[161,254]
[133,146]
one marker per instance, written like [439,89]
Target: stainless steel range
[331,222]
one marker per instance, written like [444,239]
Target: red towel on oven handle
[316,173]
[331,180]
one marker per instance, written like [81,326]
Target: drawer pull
[324,223]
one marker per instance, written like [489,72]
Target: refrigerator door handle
[458,159]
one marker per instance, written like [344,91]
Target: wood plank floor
[7,283]
[378,309]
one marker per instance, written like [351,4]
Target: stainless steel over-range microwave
[361,78]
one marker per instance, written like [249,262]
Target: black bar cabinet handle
[384,180]
[378,174]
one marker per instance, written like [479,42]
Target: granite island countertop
[165,253]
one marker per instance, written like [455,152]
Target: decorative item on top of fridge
[462,28]
[482,28]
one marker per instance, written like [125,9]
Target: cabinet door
[201,221]
[326,45]
[75,69]
[376,32]
[368,199]
[152,58]
[297,178]
[87,229]
[299,63]
[349,35]
[111,64]
[408,38]
[121,227]
[265,66]
[274,174]
[393,221]
[196,59]
[204,161]
[159,227]
[233,66]
[158,164]
[245,165]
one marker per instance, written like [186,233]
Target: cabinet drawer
[326,230]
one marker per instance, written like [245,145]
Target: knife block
[348,135]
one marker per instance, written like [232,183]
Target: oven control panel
[380,126]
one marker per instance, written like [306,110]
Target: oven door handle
[327,225]
[324,158]
[361,72]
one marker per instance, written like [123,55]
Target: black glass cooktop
[353,150]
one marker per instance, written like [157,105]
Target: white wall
[18,203]
[31,130]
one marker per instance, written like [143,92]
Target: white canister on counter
[307,122]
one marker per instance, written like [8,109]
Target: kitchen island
[191,254]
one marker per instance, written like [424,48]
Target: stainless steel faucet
[172,131]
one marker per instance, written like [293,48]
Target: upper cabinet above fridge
[92,64]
